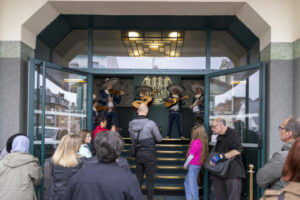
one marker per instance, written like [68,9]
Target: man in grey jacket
[144,134]
[269,176]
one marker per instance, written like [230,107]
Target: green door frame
[90,73]
[32,65]
[262,106]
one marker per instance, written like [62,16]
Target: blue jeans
[191,183]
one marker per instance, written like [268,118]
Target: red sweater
[99,129]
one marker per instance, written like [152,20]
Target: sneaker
[183,138]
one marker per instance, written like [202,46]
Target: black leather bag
[220,169]
[132,149]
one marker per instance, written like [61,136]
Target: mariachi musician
[142,96]
[174,103]
[198,101]
[142,89]
[108,99]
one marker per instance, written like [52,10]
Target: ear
[289,134]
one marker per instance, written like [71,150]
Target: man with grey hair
[269,176]
[229,146]
[144,134]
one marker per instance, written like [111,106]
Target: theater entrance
[60,102]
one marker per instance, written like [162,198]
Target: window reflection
[65,106]
[72,51]
[226,52]
[235,98]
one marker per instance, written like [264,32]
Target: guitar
[172,101]
[198,100]
[101,108]
[145,100]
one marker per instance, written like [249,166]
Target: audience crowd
[88,165]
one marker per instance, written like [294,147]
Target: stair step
[162,159]
[161,151]
[166,186]
[164,145]
[163,167]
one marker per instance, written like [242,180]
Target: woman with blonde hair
[196,157]
[65,163]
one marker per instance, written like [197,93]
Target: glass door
[58,105]
[237,96]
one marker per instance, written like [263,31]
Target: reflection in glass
[235,98]
[65,107]
[226,52]
[109,51]
[72,51]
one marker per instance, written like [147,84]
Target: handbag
[132,149]
[221,168]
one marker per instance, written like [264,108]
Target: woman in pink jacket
[196,156]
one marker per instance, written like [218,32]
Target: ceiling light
[133,34]
[238,82]
[74,80]
[153,43]
[173,34]
[154,46]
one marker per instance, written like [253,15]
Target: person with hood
[144,133]
[20,172]
[8,146]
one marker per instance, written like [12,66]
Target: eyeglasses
[282,128]
[215,126]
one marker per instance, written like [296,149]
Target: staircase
[170,175]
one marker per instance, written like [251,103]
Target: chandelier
[153,43]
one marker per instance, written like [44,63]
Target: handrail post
[251,172]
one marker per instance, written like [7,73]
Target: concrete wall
[13,88]
[265,19]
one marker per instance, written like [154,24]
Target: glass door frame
[262,112]
[90,76]
[31,91]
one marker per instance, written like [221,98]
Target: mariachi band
[105,103]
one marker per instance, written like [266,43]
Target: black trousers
[227,189]
[146,164]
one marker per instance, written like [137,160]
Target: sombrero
[195,86]
[174,86]
[112,81]
[144,87]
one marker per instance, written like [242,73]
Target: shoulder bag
[132,149]
[221,168]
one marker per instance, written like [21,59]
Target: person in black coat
[64,164]
[104,180]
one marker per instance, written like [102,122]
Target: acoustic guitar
[198,100]
[101,108]
[145,100]
[172,101]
